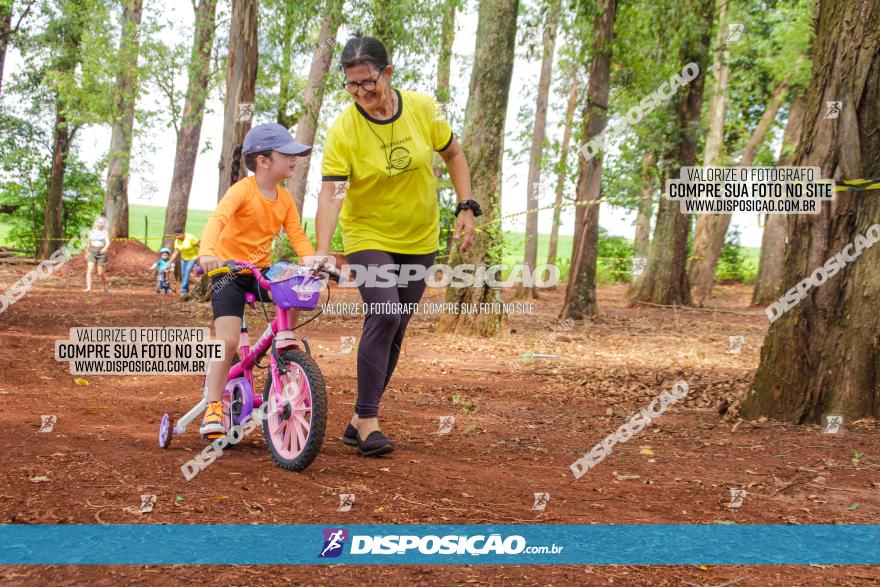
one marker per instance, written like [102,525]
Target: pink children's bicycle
[296,410]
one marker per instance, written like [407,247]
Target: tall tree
[122,120]
[702,268]
[443,97]
[313,97]
[769,281]
[8,30]
[444,59]
[820,357]
[562,164]
[190,130]
[665,279]
[769,63]
[709,237]
[536,154]
[580,293]
[388,23]
[483,147]
[241,80]
[68,57]
[646,205]
[5,33]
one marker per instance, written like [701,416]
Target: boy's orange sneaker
[212,423]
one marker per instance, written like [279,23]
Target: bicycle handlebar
[239,266]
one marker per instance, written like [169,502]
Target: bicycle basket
[300,291]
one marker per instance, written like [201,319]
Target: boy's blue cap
[272,137]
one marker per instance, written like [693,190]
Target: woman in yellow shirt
[378,180]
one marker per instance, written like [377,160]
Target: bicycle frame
[281,321]
[241,373]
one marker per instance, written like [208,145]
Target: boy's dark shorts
[227,294]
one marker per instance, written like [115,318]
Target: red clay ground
[515,434]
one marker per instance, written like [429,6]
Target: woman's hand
[464,226]
[209,263]
[320,260]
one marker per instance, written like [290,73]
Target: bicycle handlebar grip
[218,271]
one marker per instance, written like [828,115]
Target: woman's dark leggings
[380,342]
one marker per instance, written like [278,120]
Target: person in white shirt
[96,253]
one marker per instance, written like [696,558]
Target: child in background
[162,267]
[187,246]
[243,227]
[96,253]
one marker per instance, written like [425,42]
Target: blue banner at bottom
[387,544]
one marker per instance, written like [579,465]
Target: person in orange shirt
[243,227]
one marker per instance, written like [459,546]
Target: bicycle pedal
[214,436]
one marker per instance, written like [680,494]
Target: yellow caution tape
[857,185]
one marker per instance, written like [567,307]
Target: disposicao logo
[334,540]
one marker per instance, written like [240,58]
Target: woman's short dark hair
[361,50]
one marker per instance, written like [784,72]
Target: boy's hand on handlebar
[209,263]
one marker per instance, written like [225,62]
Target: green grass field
[145,223]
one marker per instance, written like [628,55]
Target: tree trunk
[5,34]
[562,166]
[387,24]
[483,145]
[444,60]
[444,70]
[712,228]
[53,229]
[66,63]
[116,198]
[821,356]
[283,117]
[646,205]
[718,103]
[580,292]
[313,98]
[769,280]
[539,131]
[241,80]
[665,280]
[189,134]
[702,269]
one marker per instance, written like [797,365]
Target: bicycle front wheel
[296,416]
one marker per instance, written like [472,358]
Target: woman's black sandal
[375,444]
[350,436]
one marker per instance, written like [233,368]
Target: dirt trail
[515,433]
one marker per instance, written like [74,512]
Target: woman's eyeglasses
[354,87]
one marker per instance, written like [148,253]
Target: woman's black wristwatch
[469,205]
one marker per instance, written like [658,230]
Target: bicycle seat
[250,298]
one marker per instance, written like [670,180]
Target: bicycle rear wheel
[294,427]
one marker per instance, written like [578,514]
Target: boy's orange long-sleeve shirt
[245,223]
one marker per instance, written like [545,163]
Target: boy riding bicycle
[243,226]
